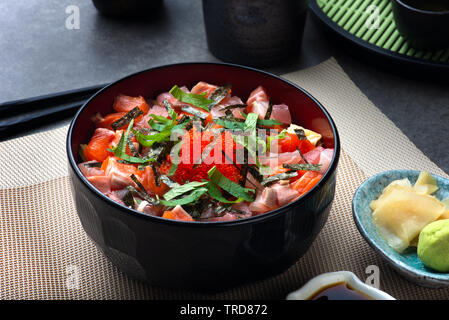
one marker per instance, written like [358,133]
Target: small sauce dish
[339,285]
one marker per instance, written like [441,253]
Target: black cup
[423,28]
[256,32]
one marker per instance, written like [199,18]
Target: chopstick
[20,116]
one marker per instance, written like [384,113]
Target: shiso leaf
[215,193]
[180,190]
[231,187]
[120,149]
[192,197]
[198,100]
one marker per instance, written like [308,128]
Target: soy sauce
[338,291]
[428,5]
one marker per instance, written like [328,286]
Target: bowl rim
[428,12]
[432,277]
[199,224]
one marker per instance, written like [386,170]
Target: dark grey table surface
[39,55]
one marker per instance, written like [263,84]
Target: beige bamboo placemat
[42,240]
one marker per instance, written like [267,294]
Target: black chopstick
[21,116]
[16,107]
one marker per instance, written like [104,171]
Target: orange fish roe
[189,171]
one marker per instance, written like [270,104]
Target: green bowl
[408,263]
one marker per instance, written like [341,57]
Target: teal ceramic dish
[408,263]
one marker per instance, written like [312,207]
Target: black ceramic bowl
[202,255]
[424,23]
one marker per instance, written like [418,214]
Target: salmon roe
[187,170]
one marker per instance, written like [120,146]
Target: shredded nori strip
[139,184]
[235,106]
[93,164]
[156,175]
[280,176]
[134,113]
[302,156]
[169,182]
[270,108]
[220,211]
[143,195]
[303,166]
[132,147]
[168,106]
[128,199]
[219,94]
[301,134]
[255,173]
[193,111]
[207,150]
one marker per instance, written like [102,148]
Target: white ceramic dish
[327,279]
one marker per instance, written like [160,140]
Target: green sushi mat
[352,15]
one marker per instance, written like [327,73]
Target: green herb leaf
[279,136]
[177,191]
[149,140]
[230,124]
[197,100]
[215,193]
[192,197]
[231,187]
[120,149]
[264,122]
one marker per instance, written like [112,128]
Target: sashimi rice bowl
[203,154]
[202,175]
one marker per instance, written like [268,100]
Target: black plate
[375,54]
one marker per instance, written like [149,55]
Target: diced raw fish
[175,103]
[226,217]
[284,193]
[90,171]
[258,204]
[276,159]
[102,183]
[258,102]
[257,94]
[123,103]
[177,213]
[243,207]
[314,155]
[281,113]
[326,158]
[202,86]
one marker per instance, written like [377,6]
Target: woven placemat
[43,243]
